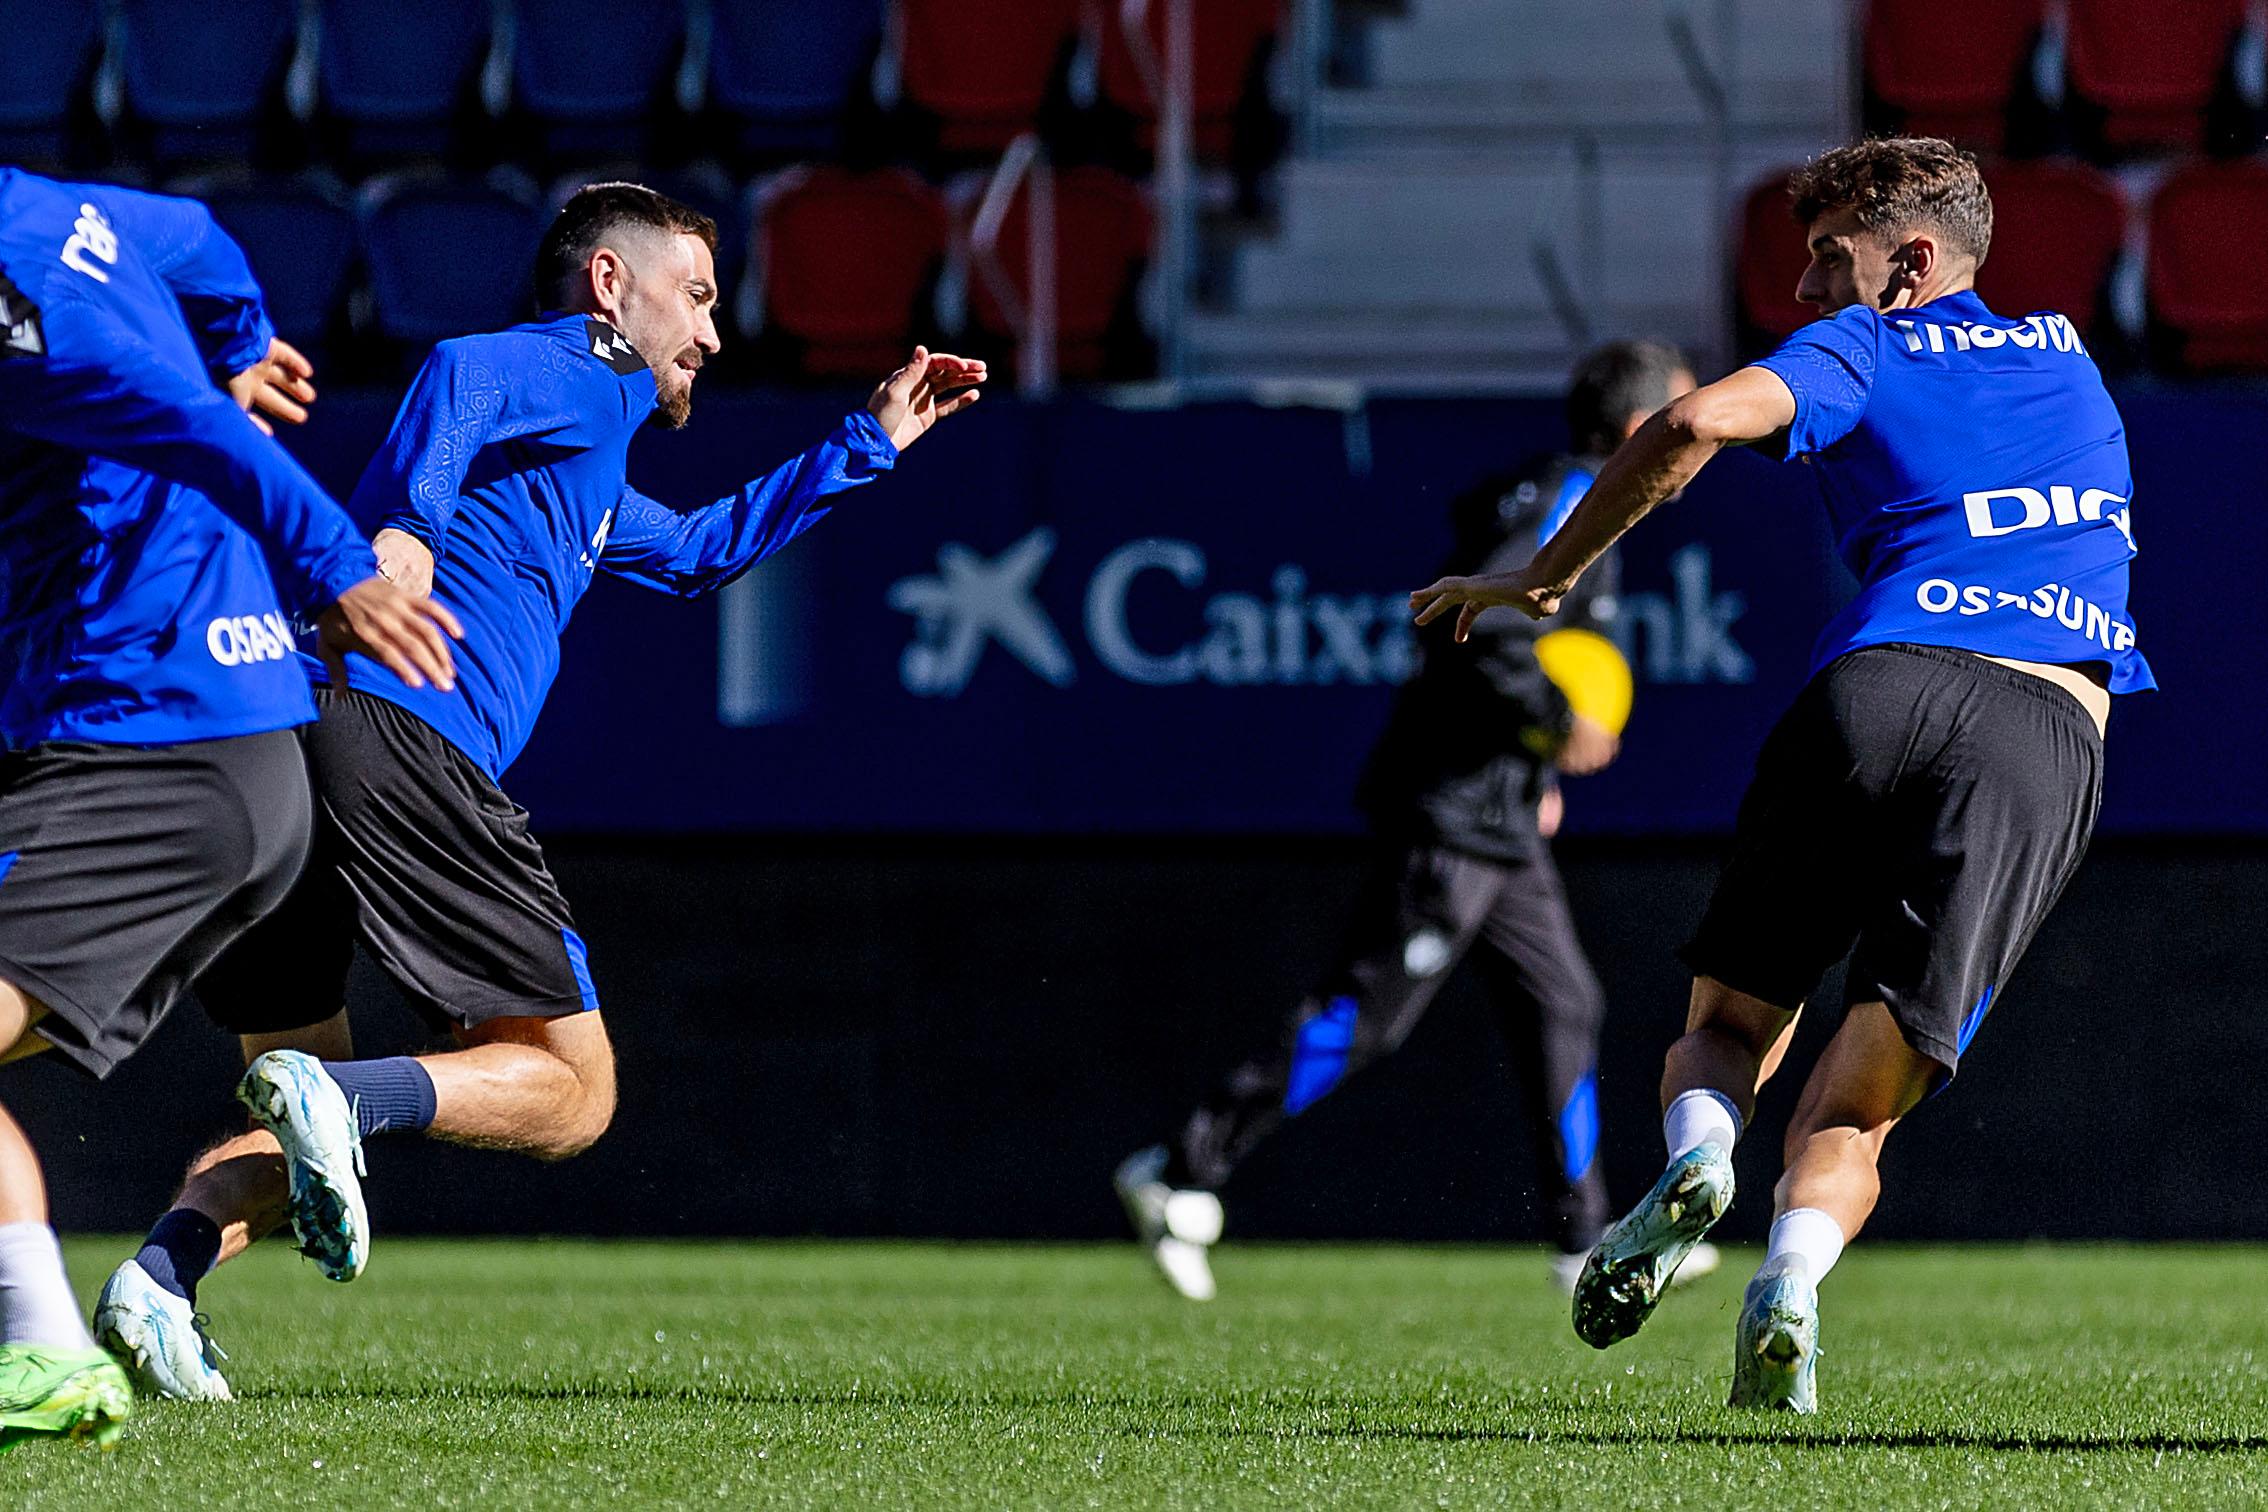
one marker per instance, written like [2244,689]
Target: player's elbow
[1700,419]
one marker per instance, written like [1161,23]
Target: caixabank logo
[1284,631]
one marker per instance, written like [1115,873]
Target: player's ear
[609,279]
[1916,260]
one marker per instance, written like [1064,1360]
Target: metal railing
[1029,311]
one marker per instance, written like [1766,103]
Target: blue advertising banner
[1076,618]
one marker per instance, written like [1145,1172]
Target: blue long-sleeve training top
[507,460]
[146,526]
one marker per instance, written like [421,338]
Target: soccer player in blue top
[153,801]
[1928,796]
[502,489]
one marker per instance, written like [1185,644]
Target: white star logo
[972,601]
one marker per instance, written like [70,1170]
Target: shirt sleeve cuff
[247,346]
[865,439]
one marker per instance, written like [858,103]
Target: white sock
[36,1305]
[1804,1237]
[1701,1116]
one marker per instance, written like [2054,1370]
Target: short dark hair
[597,211]
[1897,184]
[1613,382]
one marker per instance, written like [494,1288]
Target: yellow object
[1585,666]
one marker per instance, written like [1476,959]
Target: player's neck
[1929,292]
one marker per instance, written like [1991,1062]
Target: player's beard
[673,404]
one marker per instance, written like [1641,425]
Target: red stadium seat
[2057,228]
[846,257]
[1772,259]
[1951,81]
[983,69]
[2149,66]
[1102,240]
[2207,226]
[1227,39]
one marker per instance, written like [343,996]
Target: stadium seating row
[2060,230]
[200,80]
[2138,75]
[841,265]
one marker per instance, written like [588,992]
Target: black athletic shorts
[1922,805]
[419,856]
[125,869]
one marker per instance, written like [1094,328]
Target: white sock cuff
[1700,1116]
[1808,1235]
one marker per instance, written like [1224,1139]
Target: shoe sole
[1772,1369]
[326,1208]
[1623,1281]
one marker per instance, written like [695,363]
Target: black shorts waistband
[1976,664]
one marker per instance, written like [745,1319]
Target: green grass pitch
[557,1374]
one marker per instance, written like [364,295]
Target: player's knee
[583,1117]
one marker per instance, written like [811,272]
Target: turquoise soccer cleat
[159,1338]
[1625,1276]
[78,1394]
[294,1098]
[1776,1351]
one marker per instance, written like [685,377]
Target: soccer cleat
[1626,1275]
[159,1338]
[1702,1260]
[78,1394]
[1776,1350]
[1177,1227]
[294,1098]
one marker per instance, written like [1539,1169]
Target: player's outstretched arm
[931,386]
[1646,470]
[99,389]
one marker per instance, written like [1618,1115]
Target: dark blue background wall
[1118,542]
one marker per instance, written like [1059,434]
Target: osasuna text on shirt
[1975,472]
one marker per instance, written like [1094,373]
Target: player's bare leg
[1866,1081]
[1733,1042]
[53,1380]
[538,1086]
[535,1086]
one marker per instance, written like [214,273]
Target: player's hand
[409,635]
[405,561]
[278,385]
[923,392]
[1589,747]
[1551,809]
[1521,590]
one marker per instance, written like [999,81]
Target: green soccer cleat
[293,1097]
[78,1394]
[1630,1269]
[1776,1351]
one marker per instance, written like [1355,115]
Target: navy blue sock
[391,1096]
[182,1248]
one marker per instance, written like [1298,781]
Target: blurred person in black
[1463,793]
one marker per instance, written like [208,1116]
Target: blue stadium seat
[197,73]
[786,71]
[587,80]
[300,236]
[393,76]
[448,256]
[50,48]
